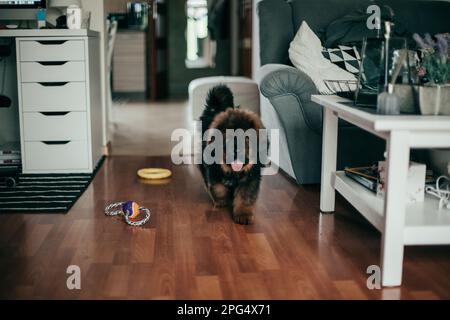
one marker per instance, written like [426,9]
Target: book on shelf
[365,176]
[10,161]
[9,152]
[10,156]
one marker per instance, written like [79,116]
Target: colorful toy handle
[130,210]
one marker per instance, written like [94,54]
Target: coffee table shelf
[425,223]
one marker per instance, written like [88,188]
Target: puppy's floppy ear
[258,123]
[255,119]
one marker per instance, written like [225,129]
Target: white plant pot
[434,99]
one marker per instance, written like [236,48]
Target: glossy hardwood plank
[263,255]
[208,287]
[114,286]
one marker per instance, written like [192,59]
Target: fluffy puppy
[236,183]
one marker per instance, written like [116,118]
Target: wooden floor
[191,251]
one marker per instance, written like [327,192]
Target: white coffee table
[399,223]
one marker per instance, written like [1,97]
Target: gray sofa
[286,91]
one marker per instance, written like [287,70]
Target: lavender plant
[435,66]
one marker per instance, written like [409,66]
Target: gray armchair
[286,91]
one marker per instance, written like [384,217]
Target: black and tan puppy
[235,183]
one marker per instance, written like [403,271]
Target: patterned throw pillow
[347,58]
[305,53]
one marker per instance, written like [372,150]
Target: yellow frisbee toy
[154,173]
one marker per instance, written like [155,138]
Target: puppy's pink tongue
[237,165]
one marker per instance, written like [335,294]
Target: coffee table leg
[394,208]
[329,154]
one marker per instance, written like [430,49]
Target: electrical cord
[442,194]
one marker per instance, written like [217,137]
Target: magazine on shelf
[10,161]
[366,176]
[9,152]
[10,156]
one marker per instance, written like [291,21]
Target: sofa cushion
[421,16]
[275,31]
[352,28]
[320,13]
[280,19]
[305,53]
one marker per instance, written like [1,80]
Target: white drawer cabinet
[53,71]
[52,50]
[59,103]
[54,126]
[56,155]
[67,96]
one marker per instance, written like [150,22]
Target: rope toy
[154,173]
[130,210]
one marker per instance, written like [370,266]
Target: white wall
[256,62]
[98,23]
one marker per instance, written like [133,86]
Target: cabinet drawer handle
[56,142]
[52,63]
[53,84]
[51,42]
[51,114]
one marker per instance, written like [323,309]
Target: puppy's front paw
[220,195]
[243,209]
[243,218]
